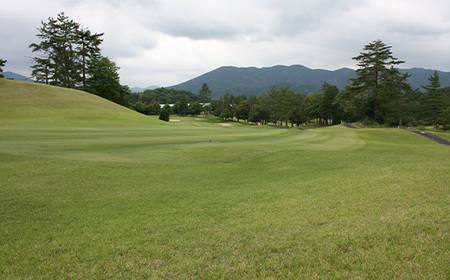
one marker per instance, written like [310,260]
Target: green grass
[92,190]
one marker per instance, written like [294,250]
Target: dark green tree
[164,115]
[227,113]
[375,60]
[88,48]
[205,94]
[297,113]
[312,104]
[195,108]
[395,98]
[205,98]
[168,108]
[2,64]
[434,103]
[256,114]
[183,107]
[63,52]
[224,103]
[242,110]
[141,108]
[104,80]
[154,108]
[328,108]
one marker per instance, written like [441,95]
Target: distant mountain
[419,77]
[139,89]
[252,81]
[15,76]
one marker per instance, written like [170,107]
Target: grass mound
[26,103]
[92,190]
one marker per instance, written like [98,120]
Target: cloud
[165,42]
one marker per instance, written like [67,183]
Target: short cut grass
[91,190]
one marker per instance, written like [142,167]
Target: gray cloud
[161,42]
[199,31]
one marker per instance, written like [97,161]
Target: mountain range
[139,89]
[252,81]
[15,76]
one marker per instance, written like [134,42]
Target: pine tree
[372,64]
[63,52]
[434,103]
[395,98]
[88,48]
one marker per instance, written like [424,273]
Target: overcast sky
[166,42]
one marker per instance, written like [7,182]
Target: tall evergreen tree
[63,52]
[375,60]
[395,98]
[205,94]
[88,48]
[205,98]
[434,103]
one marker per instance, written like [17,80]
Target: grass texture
[91,190]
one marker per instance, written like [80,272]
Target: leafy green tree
[445,118]
[312,104]
[376,60]
[328,108]
[242,110]
[297,113]
[2,64]
[104,80]
[353,104]
[224,103]
[227,113]
[141,108]
[154,109]
[395,97]
[195,108]
[256,114]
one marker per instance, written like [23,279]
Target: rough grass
[120,195]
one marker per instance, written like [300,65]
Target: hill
[32,103]
[139,89]
[252,81]
[15,76]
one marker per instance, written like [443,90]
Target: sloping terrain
[27,103]
[92,190]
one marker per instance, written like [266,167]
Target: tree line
[379,94]
[184,102]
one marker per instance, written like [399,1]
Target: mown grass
[128,196]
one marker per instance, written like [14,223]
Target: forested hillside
[252,81]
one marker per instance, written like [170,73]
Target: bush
[164,115]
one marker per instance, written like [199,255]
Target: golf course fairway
[93,190]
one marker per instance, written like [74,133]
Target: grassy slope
[97,191]
[38,105]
